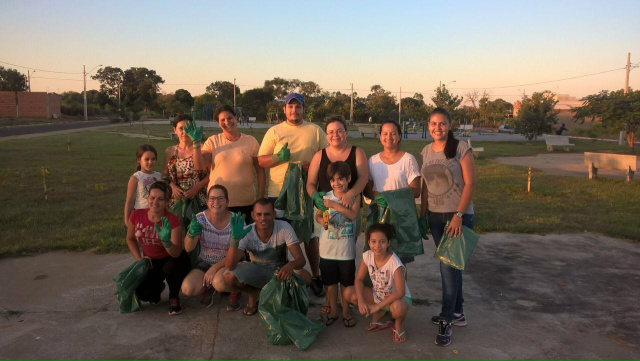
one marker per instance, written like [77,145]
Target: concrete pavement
[572,296]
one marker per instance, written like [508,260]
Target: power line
[46,71]
[41,77]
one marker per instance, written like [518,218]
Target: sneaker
[207,297]
[458,320]
[317,287]
[444,334]
[174,306]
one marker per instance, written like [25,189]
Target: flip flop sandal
[330,320]
[348,322]
[377,326]
[250,311]
[398,337]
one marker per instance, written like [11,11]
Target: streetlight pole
[234,94]
[29,78]
[84,73]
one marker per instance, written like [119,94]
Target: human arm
[397,294]
[362,165]
[193,191]
[359,287]
[297,263]
[319,217]
[312,175]
[130,201]
[193,236]
[262,177]
[415,186]
[132,243]
[171,237]
[350,212]
[238,232]
[271,160]
[211,272]
[175,189]
[469,177]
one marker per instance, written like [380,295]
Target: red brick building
[29,105]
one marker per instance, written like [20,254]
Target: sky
[502,47]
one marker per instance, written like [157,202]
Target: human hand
[284,154]
[330,204]
[363,308]
[305,166]
[382,203]
[318,200]
[238,231]
[208,277]
[195,228]
[455,227]
[424,227]
[195,134]
[285,272]
[176,191]
[164,233]
[347,198]
[192,192]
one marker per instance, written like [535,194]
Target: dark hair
[164,187]
[179,118]
[264,202]
[387,229]
[335,118]
[340,167]
[451,147]
[143,149]
[220,187]
[224,108]
[396,124]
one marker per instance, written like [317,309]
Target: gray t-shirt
[273,253]
[444,179]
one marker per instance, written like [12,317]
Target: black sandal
[330,320]
[348,322]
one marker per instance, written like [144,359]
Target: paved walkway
[572,296]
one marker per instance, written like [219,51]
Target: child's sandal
[330,320]
[377,326]
[348,322]
[398,337]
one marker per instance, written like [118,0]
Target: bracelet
[196,145]
[275,158]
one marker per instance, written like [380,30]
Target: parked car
[506,128]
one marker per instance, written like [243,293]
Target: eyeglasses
[339,131]
[219,199]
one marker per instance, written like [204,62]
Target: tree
[279,87]
[111,79]
[12,80]
[223,92]
[615,109]
[443,98]
[254,102]
[380,101]
[537,116]
[140,88]
[184,97]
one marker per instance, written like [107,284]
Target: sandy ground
[572,296]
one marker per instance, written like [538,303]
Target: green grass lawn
[87,186]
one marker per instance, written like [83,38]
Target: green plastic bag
[401,213]
[296,203]
[455,252]
[283,308]
[126,283]
[186,209]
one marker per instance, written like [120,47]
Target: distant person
[561,129]
[141,180]
[447,191]
[294,140]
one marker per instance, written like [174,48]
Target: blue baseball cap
[295,96]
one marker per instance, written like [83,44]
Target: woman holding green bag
[449,182]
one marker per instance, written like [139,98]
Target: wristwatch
[459,214]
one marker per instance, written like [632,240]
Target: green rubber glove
[164,233]
[318,199]
[238,231]
[284,154]
[195,134]
[424,227]
[195,228]
[380,200]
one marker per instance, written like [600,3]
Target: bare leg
[313,254]
[332,298]
[192,284]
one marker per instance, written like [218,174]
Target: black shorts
[202,266]
[337,271]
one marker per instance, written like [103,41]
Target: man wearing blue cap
[293,141]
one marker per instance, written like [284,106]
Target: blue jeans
[451,278]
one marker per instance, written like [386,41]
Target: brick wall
[30,105]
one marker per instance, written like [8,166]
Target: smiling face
[157,200]
[147,161]
[227,122]
[217,201]
[439,127]
[378,243]
[389,136]
[263,215]
[294,112]
[336,134]
[179,130]
[339,183]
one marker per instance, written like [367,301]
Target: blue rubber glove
[195,134]
[238,231]
[284,154]
[195,228]
[424,227]
[164,233]
[382,203]
[318,199]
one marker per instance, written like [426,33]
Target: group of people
[236,242]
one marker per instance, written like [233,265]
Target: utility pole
[351,110]
[400,107]
[626,79]
[234,94]
[84,74]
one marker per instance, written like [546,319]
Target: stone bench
[595,161]
[477,150]
[465,129]
[557,141]
[366,130]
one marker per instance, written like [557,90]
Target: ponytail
[451,147]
